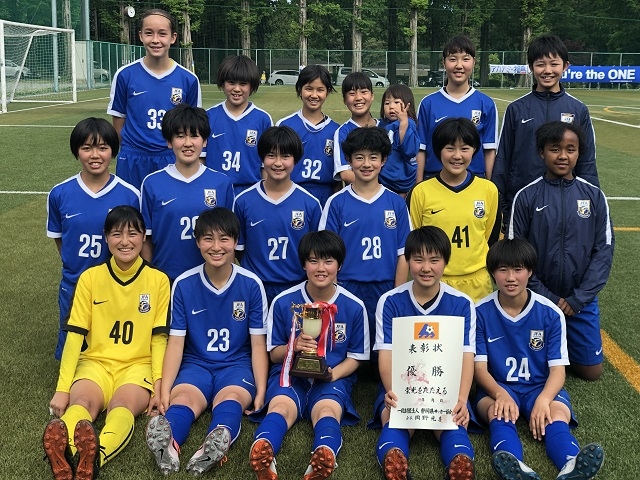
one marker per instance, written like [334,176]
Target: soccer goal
[36,64]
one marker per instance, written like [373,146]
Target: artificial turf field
[34,156]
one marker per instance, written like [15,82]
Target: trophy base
[310,366]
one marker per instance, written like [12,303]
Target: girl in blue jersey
[275,213]
[173,197]
[520,369]
[142,92]
[326,403]
[236,124]
[316,130]
[216,354]
[398,118]
[77,207]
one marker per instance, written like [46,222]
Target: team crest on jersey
[328,148]
[210,198]
[176,95]
[144,306]
[584,208]
[340,334]
[536,340]
[476,115]
[567,117]
[239,312]
[390,219]
[478,209]
[252,138]
[297,219]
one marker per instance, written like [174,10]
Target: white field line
[49,106]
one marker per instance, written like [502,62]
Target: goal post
[37,64]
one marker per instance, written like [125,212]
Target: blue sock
[503,435]
[227,414]
[561,445]
[180,417]
[453,442]
[327,432]
[392,438]
[273,428]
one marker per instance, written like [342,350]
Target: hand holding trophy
[315,320]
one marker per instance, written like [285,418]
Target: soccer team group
[180,271]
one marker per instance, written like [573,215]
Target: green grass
[34,157]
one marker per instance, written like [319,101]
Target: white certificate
[426,369]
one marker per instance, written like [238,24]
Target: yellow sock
[117,431]
[71,417]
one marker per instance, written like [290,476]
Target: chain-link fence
[395,66]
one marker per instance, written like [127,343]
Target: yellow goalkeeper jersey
[118,312]
[467,215]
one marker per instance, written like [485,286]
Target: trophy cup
[310,318]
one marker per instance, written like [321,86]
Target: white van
[376,80]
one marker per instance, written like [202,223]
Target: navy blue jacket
[568,223]
[517,161]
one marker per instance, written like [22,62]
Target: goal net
[36,64]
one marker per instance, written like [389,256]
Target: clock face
[131,11]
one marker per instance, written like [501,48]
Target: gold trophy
[309,316]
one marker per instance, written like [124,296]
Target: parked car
[376,80]
[13,69]
[283,77]
[100,74]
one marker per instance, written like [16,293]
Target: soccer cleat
[262,460]
[87,442]
[162,445]
[508,467]
[213,450]
[321,465]
[55,441]
[585,465]
[461,468]
[395,465]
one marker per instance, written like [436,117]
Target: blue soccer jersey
[401,302]
[171,205]
[399,171]
[270,231]
[217,323]
[76,215]
[351,324]
[232,147]
[475,106]
[340,163]
[374,232]
[142,97]
[519,350]
[315,171]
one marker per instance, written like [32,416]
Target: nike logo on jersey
[526,120]
[539,209]
[167,202]
[433,212]
[248,383]
[196,312]
[457,445]
[96,302]
[147,381]
[71,216]
[322,437]
[346,224]
[253,224]
[599,351]
[216,135]
[135,94]
[441,118]
[382,446]
[491,340]
[495,447]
